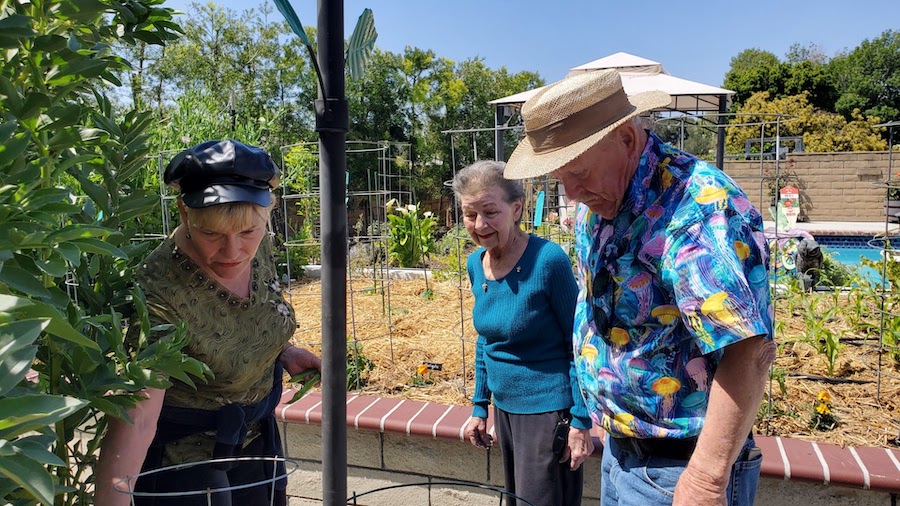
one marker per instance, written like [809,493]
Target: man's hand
[698,489]
[476,433]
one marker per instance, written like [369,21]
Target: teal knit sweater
[524,324]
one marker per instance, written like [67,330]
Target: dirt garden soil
[409,324]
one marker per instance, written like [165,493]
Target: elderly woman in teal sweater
[524,311]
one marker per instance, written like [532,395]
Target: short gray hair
[483,175]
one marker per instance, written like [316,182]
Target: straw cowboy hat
[571,115]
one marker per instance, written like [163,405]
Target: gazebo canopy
[639,75]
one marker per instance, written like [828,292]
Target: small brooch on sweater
[484,286]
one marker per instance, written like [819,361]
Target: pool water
[851,256]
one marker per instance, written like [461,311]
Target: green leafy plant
[780,377]
[451,252]
[306,379]
[891,339]
[818,332]
[301,174]
[358,366]
[890,266]
[411,234]
[68,207]
[836,274]
[890,326]
[421,377]
[27,414]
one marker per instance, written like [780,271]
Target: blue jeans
[629,480]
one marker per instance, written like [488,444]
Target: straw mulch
[399,327]
[865,394]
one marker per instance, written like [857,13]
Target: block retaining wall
[394,441]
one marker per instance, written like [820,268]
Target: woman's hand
[295,360]
[476,433]
[579,448]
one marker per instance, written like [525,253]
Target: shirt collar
[636,194]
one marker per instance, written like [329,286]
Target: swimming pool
[848,250]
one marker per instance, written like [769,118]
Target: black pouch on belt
[560,437]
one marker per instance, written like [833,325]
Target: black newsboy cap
[220,172]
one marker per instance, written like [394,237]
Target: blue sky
[693,39]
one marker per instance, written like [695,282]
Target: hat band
[194,185]
[580,125]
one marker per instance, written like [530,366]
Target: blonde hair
[231,216]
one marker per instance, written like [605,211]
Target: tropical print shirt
[679,274]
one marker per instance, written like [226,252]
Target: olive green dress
[238,338]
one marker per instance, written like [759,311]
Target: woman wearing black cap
[216,273]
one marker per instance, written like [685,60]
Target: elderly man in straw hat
[673,325]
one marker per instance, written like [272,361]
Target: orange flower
[822,409]
[824,396]
[421,370]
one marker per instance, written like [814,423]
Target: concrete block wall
[402,442]
[377,459]
[784,492]
[833,186]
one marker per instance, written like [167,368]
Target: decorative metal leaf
[284,6]
[360,45]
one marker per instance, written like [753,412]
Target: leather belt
[677,449]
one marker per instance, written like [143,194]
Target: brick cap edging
[783,458]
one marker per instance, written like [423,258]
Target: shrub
[68,210]
[411,234]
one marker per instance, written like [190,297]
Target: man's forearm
[734,401]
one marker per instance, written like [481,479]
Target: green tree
[379,111]
[428,77]
[868,78]
[805,69]
[379,101]
[410,97]
[689,133]
[812,77]
[752,71]
[799,53]
[230,75]
[67,253]
[466,106]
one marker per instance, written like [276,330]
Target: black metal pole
[332,124]
[720,133]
